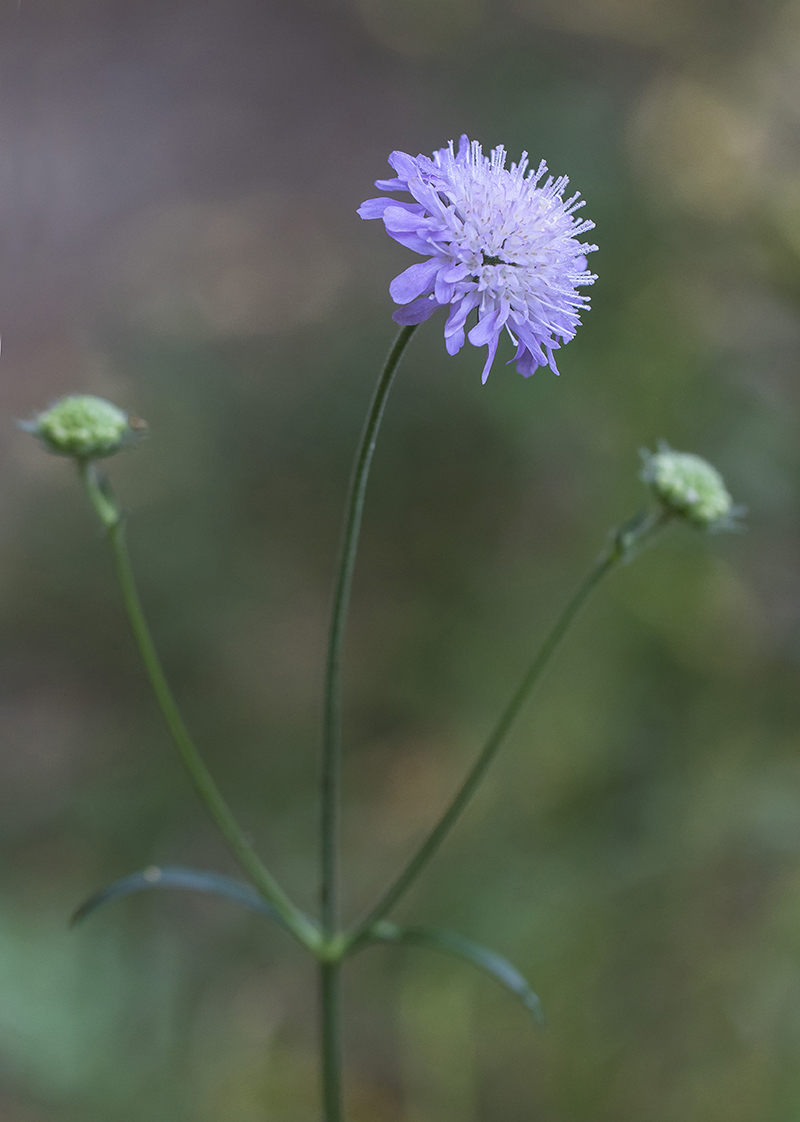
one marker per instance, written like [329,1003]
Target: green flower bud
[85,427]
[690,488]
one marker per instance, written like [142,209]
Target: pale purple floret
[496,241]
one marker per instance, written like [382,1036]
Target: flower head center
[489,260]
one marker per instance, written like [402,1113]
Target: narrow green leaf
[488,961]
[174,876]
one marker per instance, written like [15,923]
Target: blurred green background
[178,191]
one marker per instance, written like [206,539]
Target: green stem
[106,507]
[330,1041]
[627,540]
[332,711]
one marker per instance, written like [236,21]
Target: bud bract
[689,487]
[85,427]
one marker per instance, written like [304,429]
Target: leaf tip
[534,1007]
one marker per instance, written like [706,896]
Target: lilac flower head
[497,240]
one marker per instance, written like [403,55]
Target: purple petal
[417,312]
[375,208]
[486,329]
[407,228]
[458,316]
[414,281]
[425,165]
[455,272]
[489,358]
[412,241]
[527,362]
[391,184]
[463,148]
[454,328]
[399,219]
[530,340]
[454,331]
[426,194]
[454,342]
[551,361]
[443,292]
[403,164]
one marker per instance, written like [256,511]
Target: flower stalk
[331,1041]
[107,509]
[332,706]
[330,783]
[622,545]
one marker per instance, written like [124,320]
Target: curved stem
[624,543]
[332,712]
[304,930]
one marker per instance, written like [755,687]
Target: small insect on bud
[85,427]
[689,488]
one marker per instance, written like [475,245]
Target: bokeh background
[178,187]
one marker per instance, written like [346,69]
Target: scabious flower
[688,487]
[499,241]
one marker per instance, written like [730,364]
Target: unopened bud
[690,488]
[85,427]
